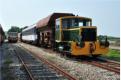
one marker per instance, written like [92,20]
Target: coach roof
[29,27]
[50,20]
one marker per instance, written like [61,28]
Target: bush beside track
[113,55]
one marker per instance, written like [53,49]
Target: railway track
[110,65]
[40,69]
[99,62]
[105,64]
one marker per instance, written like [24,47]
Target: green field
[113,55]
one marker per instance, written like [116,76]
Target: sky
[105,14]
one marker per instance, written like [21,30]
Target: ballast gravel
[80,70]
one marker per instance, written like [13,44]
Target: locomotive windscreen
[88,34]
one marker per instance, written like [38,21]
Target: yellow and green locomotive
[77,36]
[68,33]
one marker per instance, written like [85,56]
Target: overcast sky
[104,13]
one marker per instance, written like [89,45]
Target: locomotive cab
[77,36]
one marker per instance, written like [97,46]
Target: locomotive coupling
[92,47]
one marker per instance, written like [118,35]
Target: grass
[6,72]
[8,61]
[113,55]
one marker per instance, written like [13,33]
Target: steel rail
[111,61]
[111,65]
[98,64]
[116,70]
[25,66]
[53,66]
[104,66]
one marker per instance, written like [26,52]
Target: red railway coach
[46,29]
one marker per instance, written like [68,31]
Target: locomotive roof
[50,20]
[83,18]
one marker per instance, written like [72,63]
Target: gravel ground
[6,73]
[11,67]
[80,70]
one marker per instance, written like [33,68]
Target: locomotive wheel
[69,55]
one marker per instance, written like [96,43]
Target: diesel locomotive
[1,35]
[65,32]
[12,36]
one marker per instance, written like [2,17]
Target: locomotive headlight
[61,48]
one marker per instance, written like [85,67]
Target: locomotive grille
[88,34]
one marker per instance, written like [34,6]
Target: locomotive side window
[57,24]
[65,23]
[74,22]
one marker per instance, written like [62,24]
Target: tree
[14,29]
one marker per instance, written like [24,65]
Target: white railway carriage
[29,34]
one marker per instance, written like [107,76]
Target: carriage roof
[50,20]
[29,27]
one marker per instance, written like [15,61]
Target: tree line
[16,29]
